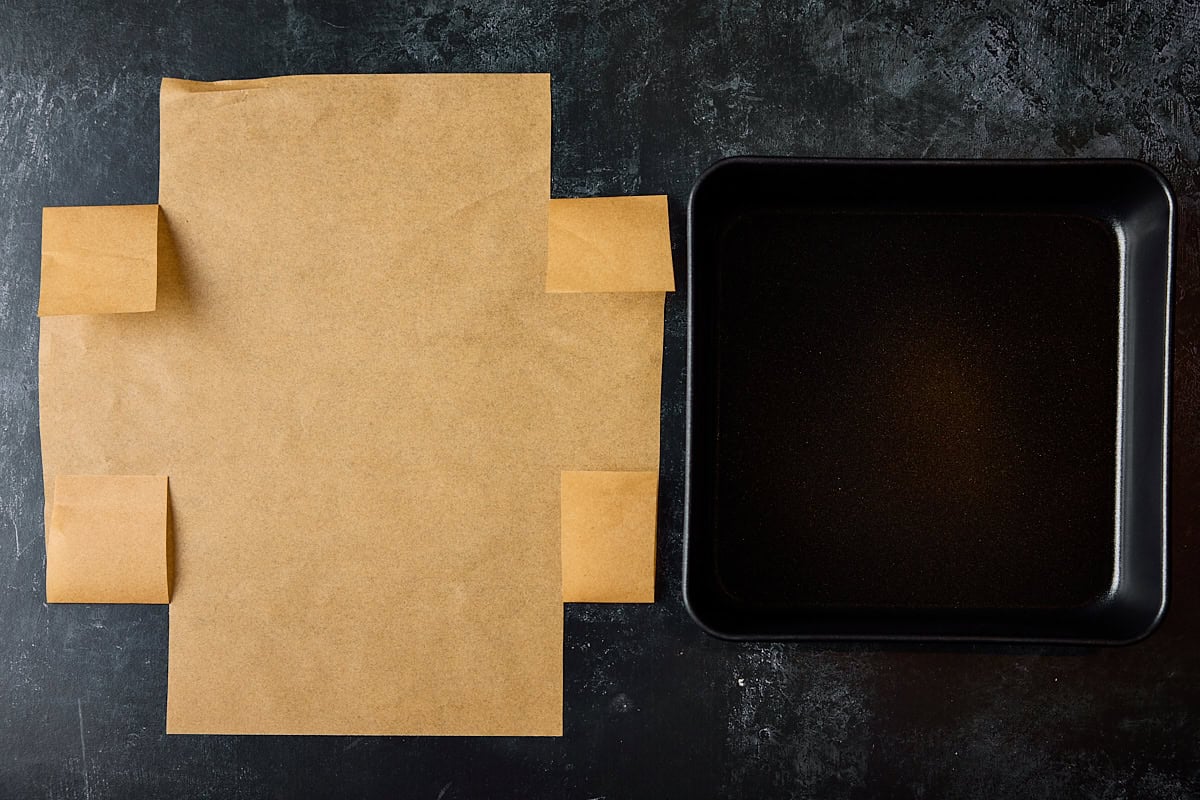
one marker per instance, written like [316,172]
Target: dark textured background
[645,95]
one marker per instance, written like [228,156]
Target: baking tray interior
[928,399]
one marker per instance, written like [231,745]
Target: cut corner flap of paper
[108,540]
[610,244]
[100,259]
[608,536]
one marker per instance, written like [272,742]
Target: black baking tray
[928,399]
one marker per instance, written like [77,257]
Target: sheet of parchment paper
[364,399]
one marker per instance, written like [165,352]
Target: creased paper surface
[364,398]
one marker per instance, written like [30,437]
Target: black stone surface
[645,95]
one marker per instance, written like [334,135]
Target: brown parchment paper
[364,398]
[99,259]
[609,520]
[106,540]
[610,244]
[608,536]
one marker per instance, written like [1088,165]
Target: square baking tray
[928,399]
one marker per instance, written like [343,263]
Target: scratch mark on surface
[87,787]
[445,789]
[16,535]
[935,136]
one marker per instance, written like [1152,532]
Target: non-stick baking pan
[928,399]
